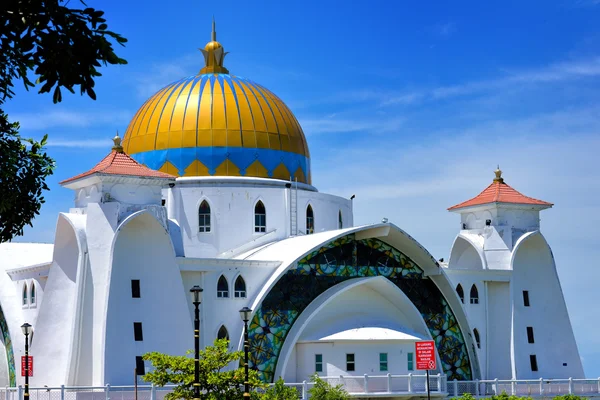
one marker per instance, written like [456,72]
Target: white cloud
[160,75]
[333,124]
[37,121]
[79,143]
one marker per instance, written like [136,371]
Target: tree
[322,390]
[216,382]
[58,47]
[280,392]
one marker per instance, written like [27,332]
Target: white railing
[391,386]
[542,388]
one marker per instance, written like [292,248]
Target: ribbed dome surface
[218,125]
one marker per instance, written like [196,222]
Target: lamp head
[245,314]
[26,328]
[196,292]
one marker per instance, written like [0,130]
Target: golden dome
[216,124]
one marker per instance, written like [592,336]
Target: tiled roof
[119,163]
[500,192]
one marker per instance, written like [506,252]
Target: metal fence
[389,386]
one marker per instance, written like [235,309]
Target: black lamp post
[26,328]
[196,292]
[245,315]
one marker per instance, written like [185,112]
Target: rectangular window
[140,368]
[137,332]
[526,298]
[383,362]
[530,334]
[260,222]
[135,288]
[350,362]
[204,223]
[533,362]
[410,361]
[318,362]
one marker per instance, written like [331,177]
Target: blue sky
[408,105]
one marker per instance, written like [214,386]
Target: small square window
[140,368]
[410,361]
[383,361]
[350,362]
[533,362]
[526,298]
[135,288]
[318,362]
[137,332]
[530,338]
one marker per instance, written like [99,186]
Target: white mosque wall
[553,343]
[498,339]
[232,202]
[126,190]
[143,251]
[55,328]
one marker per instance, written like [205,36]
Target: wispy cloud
[446,29]
[69,119]
[333,124]
[160,75]
[79,143]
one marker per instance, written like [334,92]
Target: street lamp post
[196,292]
[26,328]
[245,315]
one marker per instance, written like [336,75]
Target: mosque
[211,186]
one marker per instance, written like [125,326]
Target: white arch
[463,243]
[380,284]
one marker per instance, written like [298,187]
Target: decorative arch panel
[343,259]
[10,355]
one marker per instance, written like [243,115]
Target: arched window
[340,221]
[223,334]
[477,339]
[239,287]
[222,287]
[204,217]
[310,220]
[474,295]
[25,294]
[260,217]
[32,293]
[461,293]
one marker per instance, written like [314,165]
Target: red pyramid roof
[500,192]
[120,163]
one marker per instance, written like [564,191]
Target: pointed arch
[239,287]
[204,217]
[310,220]
[223,333]
[32,293]
[260,217]
[474,295]
[461,293]
[340,220]
[222,287]
[25,298]
[477,339]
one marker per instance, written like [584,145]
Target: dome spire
[498,177]
[117,143]
[214,54]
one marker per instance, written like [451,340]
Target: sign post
[27,367]
[425,351]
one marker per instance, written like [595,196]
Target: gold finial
[498,177]
[117,143]
[214,54]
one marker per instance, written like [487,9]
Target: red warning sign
[425,351]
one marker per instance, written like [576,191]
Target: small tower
[498,217]
[504,274]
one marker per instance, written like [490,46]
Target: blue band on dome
[212,157]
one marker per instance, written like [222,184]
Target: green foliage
[505,396]
[280,392]
[322,390]
[23,169]
[215,382]
[62,46]
[58,47]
